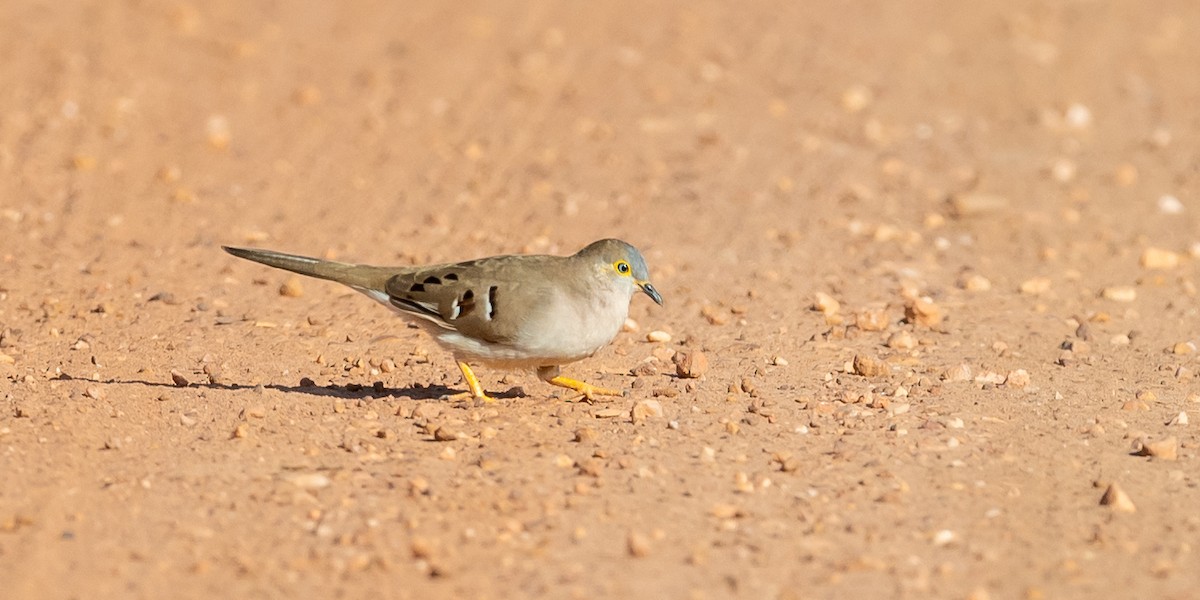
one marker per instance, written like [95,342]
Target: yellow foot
[476,392]
[586,391]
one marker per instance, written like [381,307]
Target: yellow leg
[473,383]
[588,391]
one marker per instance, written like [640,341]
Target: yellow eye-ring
[622,267]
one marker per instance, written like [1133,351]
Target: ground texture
[939,257]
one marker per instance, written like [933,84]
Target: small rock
[1035,286]
[1168,204]
[608,413]
[645,368]
[826,304]
[6,359]
[725,511]
[585,434]
[975,282]
[1165,449]
[1018,378]
[1158,259]
[1117,499]
[872,319]
[779,361]
[902,340]
[187,420]
[658,337]
[1184,348]
[959,372]
[292,288]
[239,432]
[646,409]
[637,544]
[975,204]
[94,392]
[179,379]
[870,367]
[629,326]
[445,434]
[257,412]
[924,312]
[1120,293]
[1179,420]
[691,364]
[714,316]
[310,481]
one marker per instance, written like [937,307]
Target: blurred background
[1028,168]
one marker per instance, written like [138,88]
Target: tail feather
[360,277]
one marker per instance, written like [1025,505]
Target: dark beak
[650,291]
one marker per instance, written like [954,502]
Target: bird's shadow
[351,391]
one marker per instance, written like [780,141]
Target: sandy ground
[940,257]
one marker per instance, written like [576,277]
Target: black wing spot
[466,303]
[431,280]
[416,287]
[450,276]
[492,303]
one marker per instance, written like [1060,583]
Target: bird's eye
[622,267]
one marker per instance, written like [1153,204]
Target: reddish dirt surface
[976,184]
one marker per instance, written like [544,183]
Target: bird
[510,312]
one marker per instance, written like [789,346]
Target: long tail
[360,277]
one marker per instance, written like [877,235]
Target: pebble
[241,431]
[1120,293]
[1117,499]
[856,98]
[646,409]
[691,364]
[959,372]
[1078,116]
[629,326]
[179,379]
[725,511]
[6,359]
[608,413]
[445,434]
[218,132]
[1179,420]
[924,312]
[975,282]
[1035,286]
[944,537]
[779,361]
[977,203]
[645,368]
[1166,449]
[1168,204]
[585,434]
[310,481]
[658,336]
[824,303]
[714,316]
[1158,259]
[637,544]
[1018,378]
[872,319]
[292,288]
[1184,348]
[870,367]
[902,340]
[94,393]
